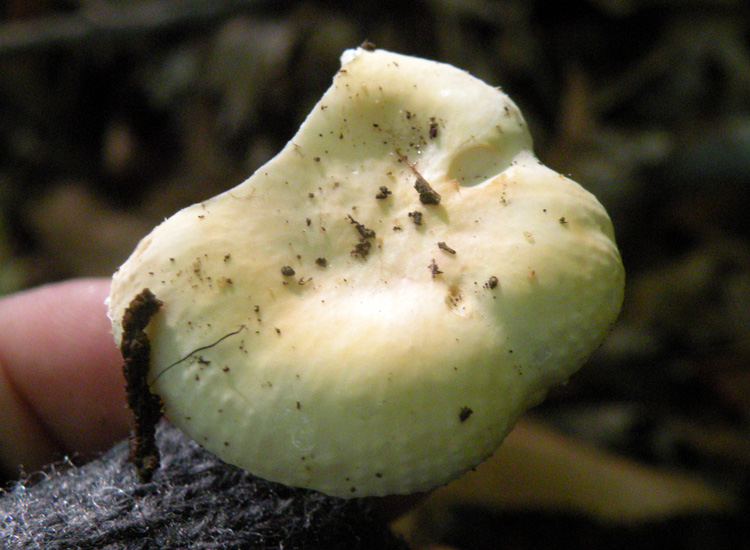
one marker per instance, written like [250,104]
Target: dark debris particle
[492,282]
[427,195]
[433,128]
[416,217]
[287,271]
[368,46]
[322,262]
[464,414]
[362,249]
[445,247]
[563,221]
[384,192]
[146,406]
[362,230]
[434,269]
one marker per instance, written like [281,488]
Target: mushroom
[391,366]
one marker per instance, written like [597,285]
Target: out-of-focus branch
[103,21]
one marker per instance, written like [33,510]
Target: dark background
[115,113]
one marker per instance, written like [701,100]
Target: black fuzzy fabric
[194,501]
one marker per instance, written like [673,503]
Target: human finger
[60,378]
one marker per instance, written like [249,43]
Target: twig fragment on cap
[446,248]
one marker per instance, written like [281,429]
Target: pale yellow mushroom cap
[317,336]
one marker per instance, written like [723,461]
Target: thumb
[60,379]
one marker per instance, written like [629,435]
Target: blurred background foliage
[116,113]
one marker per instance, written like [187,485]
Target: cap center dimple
[475,166]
